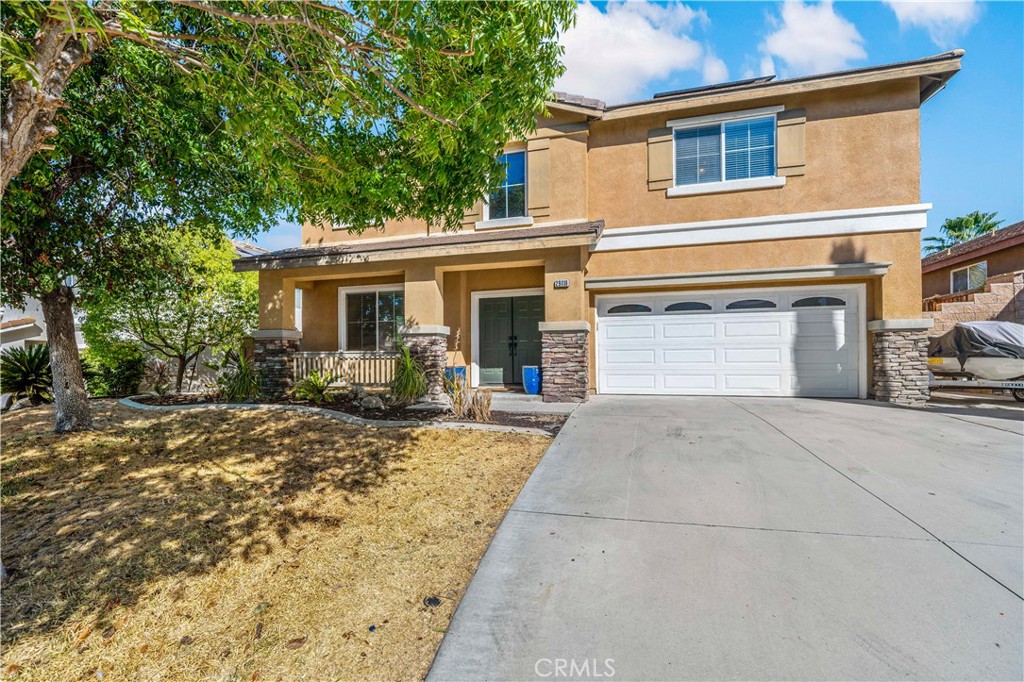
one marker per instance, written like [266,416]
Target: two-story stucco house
[759,237]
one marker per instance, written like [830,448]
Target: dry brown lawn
[241,545]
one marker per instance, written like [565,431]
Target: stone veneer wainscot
[900,361]
[565,361]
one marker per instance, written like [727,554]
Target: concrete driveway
[728,538]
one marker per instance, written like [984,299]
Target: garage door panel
[641,356]
[702,383]
[758,356]
[832,386]
[753,382]
[827,328]
[753,329]
[630,381]
[684,328]
[631,331]
[822,357]
[688,356]
[803,351]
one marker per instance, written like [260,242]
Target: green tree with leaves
[123,117]
[962,229]
[196,304]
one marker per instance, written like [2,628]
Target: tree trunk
[71,404]
[31,105]
[182,367]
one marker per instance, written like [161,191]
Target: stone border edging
[340,416]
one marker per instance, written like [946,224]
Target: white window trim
[517,221]
[966,267]
[765,182]
[343,308]
[474,323]
[487,222]
[744,184]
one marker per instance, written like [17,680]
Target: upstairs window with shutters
[726,151]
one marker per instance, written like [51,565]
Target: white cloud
[715,70]
[811,38]
[945,20]
[616,54]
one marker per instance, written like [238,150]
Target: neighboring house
[23,327]
[966,266]
[981,279]
[759,237]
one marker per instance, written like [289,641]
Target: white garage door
[784,342]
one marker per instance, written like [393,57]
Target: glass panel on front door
[509,337]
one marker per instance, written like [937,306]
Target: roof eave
[269,262]
[933,73]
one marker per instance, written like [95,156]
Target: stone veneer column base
[900,360]
[565,362]
[273,351]
[428,345]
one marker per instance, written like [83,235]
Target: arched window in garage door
[629,308]
[687,307]
[820,302]
[750,304]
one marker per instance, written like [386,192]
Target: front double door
[509,337]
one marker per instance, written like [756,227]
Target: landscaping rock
[20,404]
[6,400]
[371,402]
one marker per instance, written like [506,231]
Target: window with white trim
[373,319]
[970,278]
[509,199]
[729,150]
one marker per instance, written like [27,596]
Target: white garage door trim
[781,295]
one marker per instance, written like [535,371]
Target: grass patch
[241,545]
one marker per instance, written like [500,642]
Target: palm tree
[964,228]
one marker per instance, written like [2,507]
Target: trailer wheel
[1018,395]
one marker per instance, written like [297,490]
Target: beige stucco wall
[901,290]
[320,310]
[862,150]
[565,178]
[937,282]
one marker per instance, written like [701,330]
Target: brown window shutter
[660,174]
[473,214]
[790,141]
[538,177]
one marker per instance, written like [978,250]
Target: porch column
[565,332]
[425,334]
[900,361]
[277,340]
[565,361]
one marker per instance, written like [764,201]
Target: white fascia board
[765,228]
[724,116]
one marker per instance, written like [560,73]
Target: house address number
[561,284]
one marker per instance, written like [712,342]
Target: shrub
[467,402]
[316,388]
[158,376]
[238,380]
[410,381]
[480,405]
[114,375]
[25,372]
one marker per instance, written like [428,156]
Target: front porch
[492,313]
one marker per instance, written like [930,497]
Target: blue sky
[972,133]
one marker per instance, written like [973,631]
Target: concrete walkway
[715,538]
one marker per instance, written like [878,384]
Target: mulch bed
[342,402]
